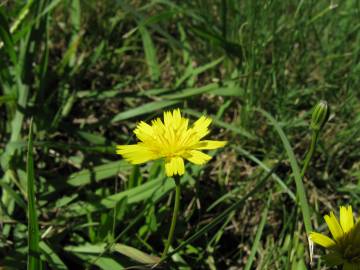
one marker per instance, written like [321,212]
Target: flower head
[172,140]
[320,115]
[344,247]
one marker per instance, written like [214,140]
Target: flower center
[175,141]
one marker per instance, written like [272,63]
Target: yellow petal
[180,165]
[176,118]
[182,127]
[201,127]
[174,165]
[144,132]
[321,239]
[172,119]
[157,125]
[334,226]
[346,218]
[209,144]
[136,153]
[197,157]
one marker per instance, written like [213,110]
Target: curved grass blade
[304,206]
[267,169]
[52,258]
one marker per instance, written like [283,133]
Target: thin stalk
[174,217]
[310,153]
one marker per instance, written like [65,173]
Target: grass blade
[34,262]
[296,172]
[234,128]
[135,254]
[150,53]
[267,169]
[259,232]
[143,109]
[152,190]
[52,258]
[190,92]
[6,38]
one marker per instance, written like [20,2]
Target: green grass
[34,261]
[87,71]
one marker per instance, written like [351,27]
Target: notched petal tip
[334,226]
[203,122]
[197,157]
[135,153]
[346,218]
[210,145]
[121,148]
[321,240]
[174,166]
[176,112]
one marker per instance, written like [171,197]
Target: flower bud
[320,115]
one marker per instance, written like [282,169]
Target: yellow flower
[172,140]
[344,247]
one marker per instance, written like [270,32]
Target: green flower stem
[310,153]
[174,217]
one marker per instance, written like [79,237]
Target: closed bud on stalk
[320,115]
